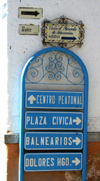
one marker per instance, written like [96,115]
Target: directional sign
[54,99]
[53,120]
[54,110]
[52,162]
[31,13]
[53,140]
[62,33]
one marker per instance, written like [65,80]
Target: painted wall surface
[3,67]
[22,47]
[93,167]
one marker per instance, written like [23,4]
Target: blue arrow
[69,38]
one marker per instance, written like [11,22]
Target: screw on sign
[53,110]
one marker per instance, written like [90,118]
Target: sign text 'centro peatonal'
[54,99]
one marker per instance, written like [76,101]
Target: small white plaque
[30,13]
[28,29]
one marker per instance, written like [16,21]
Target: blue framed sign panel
[51,120]
[54,66]
[36,162]
[54,99]
[53,141]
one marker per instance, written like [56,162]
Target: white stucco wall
[22,47]
[3,69]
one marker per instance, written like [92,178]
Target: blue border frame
[50,128]
[76,153]
[54,107]
[58,134]
[22,103]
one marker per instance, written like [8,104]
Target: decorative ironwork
[55,67]
[63,20]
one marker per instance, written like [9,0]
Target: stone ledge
[14,138]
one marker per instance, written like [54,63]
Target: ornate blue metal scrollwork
[52,67]
[77,73]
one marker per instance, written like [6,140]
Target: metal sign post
[54,96]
